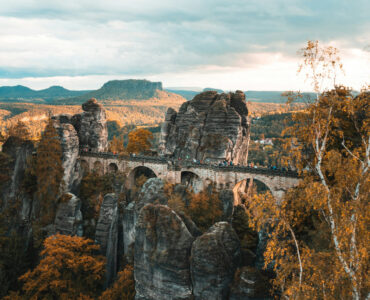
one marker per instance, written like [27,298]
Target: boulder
[211,127]
[215,256]
[68,218]
[162,251]
[250,284]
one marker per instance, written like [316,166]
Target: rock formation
[108,210]
[215,256]
[162,250]
[86,132]
[90,126]
[227,200]
[211,127]
[68,219]
[151,191]
[70,147]
[19,151]
[107,234]
[250,284]
[93,132]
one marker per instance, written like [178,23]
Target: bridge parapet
[179,165]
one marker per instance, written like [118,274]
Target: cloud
[143,38]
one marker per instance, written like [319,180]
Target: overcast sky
[227,44]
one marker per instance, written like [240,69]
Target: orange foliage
[116,145]
[139,140]
[123,288]
[68,270]
[331,142]
[205,209]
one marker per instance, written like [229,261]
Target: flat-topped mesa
[212,127]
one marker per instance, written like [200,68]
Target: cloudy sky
[228,44]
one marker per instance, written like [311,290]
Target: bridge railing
[178,164]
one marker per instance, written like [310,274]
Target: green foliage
[271,126]
[114,129]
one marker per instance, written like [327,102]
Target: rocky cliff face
[70,147]
[106,234]
[211,127]
[162,250]
[215,256]
[250,284]
[87,131]
[68,219]
[19,151]
[93,132]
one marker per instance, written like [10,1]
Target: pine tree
[49,172]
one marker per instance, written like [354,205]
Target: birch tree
[332,146]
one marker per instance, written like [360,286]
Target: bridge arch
[246,187]
[192,179]
[135,173]
[112,168]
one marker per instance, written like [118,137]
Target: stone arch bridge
[197,175]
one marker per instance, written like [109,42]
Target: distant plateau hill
[131,89]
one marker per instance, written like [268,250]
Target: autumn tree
[116,145]
[68,270]
[19,130]
[331,143]
[139,140]
[123,288]
[205,209]
[49,171]
[5,161]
